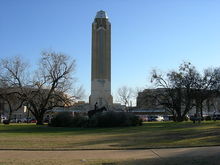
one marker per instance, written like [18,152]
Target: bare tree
[13,100]
[13,72]
[207,88]
[49,86]
[78,93]
[12,77]
[124,95]
[137,90]
[178,89]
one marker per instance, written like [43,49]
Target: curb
[99,149]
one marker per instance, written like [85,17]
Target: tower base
[100,94]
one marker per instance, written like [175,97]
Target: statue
[96,110]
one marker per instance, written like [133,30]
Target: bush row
[105,119]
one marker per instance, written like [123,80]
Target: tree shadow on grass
[154,140]
[150,135]
[211,160]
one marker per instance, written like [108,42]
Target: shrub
[79,121]
[105,119]
[135,120]
[207,118]
[5,121]
[62,119]
[114,119]
[185,118]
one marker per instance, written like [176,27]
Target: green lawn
[150,135]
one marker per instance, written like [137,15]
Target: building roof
[149,110]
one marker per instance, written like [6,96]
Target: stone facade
[101,61]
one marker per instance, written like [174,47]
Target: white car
[3,118]
[155,118]
[159,118]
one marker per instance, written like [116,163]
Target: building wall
[145,100]
[16,115]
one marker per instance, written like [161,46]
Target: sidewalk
[111,154]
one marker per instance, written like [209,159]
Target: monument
[101,62]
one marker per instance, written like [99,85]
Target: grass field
[150,135]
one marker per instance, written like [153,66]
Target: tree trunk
[180,118]
[197,111]
[10,113]
[174,117]
[201,110]
[179,115]
[40,120]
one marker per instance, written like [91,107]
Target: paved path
[111,154]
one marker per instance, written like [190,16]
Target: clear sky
[146,34]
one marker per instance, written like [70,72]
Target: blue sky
[146,34]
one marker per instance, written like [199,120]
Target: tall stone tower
[101,61]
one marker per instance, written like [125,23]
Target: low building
[148,102]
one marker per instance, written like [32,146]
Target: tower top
[101,14]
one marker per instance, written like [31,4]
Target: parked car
[24,120]
[47,119]
[216,117]
[159,118]
[13,121]
[166,118]
[33,121]
[155,118]
[5,121]
[3,118]
[151,118]
[207,117]
[143,117]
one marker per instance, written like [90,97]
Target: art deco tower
[101,61]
